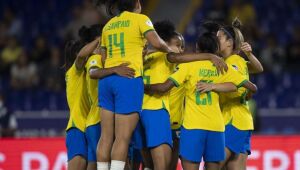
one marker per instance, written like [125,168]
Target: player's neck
[226,53]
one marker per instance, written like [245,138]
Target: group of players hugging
[156,102]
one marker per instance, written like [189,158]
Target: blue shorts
[237,141]
[92,134]
[195,144]
[76,143]
[138,140]
[121,95]
[157,127]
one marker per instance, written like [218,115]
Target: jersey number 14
[116,42]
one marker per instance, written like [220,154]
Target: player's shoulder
[142,18]
[129,15]
[235,58]
[136,14]
[236,61]
[95,56]
[195,64]
[72,71]
[154,56]
[203,63]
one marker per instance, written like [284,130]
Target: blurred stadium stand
[37,31]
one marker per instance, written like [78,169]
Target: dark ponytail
[71,50]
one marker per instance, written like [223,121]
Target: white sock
[147,168]
[117,165]
[102,166]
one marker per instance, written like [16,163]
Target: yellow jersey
[92,86]
[177,96]
[157,70]
[202,110]
[123,38]
[235,108]
[77,98]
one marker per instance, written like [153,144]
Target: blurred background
[33,108]
[33,34]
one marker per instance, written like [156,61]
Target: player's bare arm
[84,53]
[121,70]
[254,64]
[159,88]
[218,87]
[185,58]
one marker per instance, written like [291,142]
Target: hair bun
[236,23]
[99,2]
[211,27]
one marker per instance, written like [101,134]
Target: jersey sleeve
[145,24]
[181,75]
[103,37]
[93,61]
[239,65]
[233,76]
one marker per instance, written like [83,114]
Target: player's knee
[122,139]
[107,137]
[212,166]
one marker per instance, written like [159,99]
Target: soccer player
[82,97]
[155,116]
[202,133]
[77,97]
[93,130]
[177,96]
[237,117]
[123,39]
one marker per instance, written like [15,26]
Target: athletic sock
[117,165]
[102,166]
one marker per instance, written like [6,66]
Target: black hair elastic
[227,32]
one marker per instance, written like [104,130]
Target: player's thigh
[107,123]
[125,125]
[175,154]
[92,166]
[228,155]
[188,165]
[243,160]
[238,162]
[77,163]
[212,166]
[147,158]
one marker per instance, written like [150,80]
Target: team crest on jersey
[149,23]
[235,67]
[93,62]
